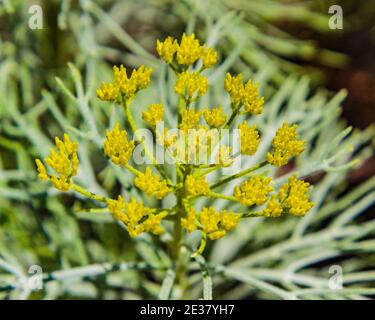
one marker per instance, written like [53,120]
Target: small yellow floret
[167,49]
[209,57]
[165,138]
[191,85]
[136,217]
[189,223]
[251,100]
[139,79]
[285,145]
[154,114]
[117,146]
[249,138]
[108,91]
[215,117]
[189,119]
[216,224]
[233,85]
[196,186]
[43,175]
[253,191]
[223,156]
[246,95]
[189,50]
[64,162]
[294,196]
[152,185]
[273,208]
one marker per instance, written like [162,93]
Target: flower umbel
[294,197]
[285,145]
[249,137]
[154,114]
[117,146]
[152,185]
[253,191]
[64,162]
[188,178]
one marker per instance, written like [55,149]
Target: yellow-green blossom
[189,223]
[253,191]
[233,85]
[154,114]
[251,100]
[139,79]
[196,186]
[189,119]
[215,117]
[189,50]
[246,95]
[136,217]
[64,162]
[117,146]
[273,208]
[209,57]
[249,138]
[191,85]
[285,145]
[108,91]
[223,156]
[152,185]
[167,49]
[294,196]
[215,224]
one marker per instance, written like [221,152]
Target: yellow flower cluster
[196,186]
[244,94]
[253,191]
[249,139]
[214,224]
[165,138]
[223,156]
[191,85]
[273,208]
[139,79]
[187,52]
[294,196]
[215,117]
[117,146]
[189,119]
[167,49]
[64,162]
[154,114]
[136,217]
[285,145]
[187,149]
[108,91]
[152,185]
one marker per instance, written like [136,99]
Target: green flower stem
[134,128]
[201,246]
[235,112]
[89,194]
[238,175]
[252,215]
[221,196]
[213,168]
[133,170]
